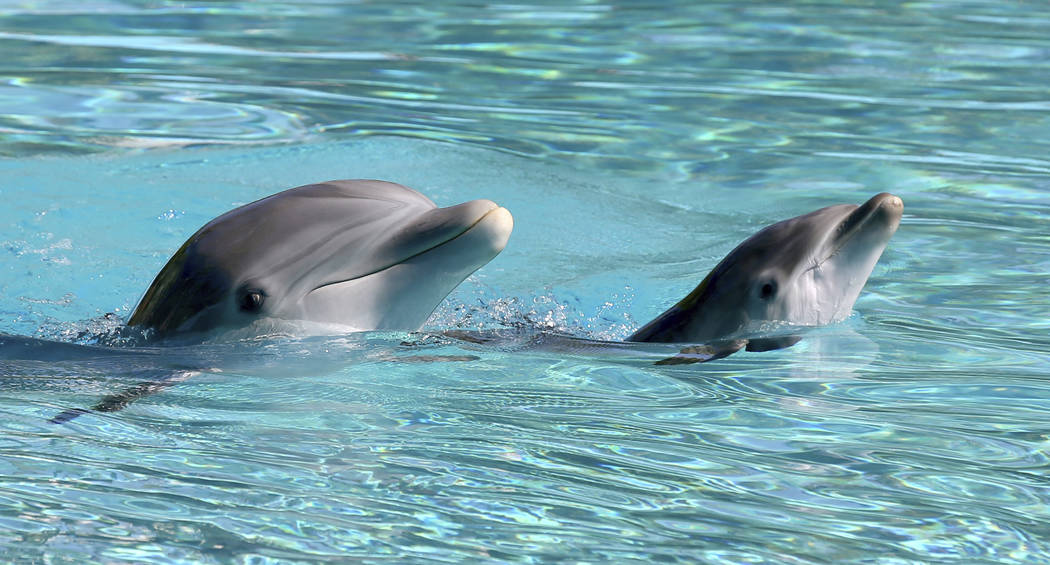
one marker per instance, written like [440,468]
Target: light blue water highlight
[635,143]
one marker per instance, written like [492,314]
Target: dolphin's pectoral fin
[120,400]
[704,353]
[67,415]
[771,343]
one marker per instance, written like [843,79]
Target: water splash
[478,306]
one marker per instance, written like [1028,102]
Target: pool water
[635,143]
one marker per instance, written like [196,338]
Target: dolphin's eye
[251,300]
[768,290]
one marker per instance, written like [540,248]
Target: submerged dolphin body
[366,254]
[804,271]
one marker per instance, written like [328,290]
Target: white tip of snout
[889,203]
[495,228]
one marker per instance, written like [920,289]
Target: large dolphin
[804,271]
[366,254]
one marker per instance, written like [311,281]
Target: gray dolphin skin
[805,271]
[367,254]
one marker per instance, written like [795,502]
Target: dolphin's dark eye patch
[251,300]
[768,290]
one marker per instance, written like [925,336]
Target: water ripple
[914,432]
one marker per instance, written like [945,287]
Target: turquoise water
[635,144]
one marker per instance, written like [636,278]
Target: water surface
[635,143]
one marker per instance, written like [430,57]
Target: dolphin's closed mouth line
[410,257]
[849,228]
[843,238]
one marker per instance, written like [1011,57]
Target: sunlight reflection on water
[634,150]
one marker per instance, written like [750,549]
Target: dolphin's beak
[427,259]
[885,206]
[883,209]
[486,223]
[877,218]
[494,227]
[435,228]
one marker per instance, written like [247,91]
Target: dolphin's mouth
[494,218]
[881,212]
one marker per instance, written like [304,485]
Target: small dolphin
[805,271]
[367,254]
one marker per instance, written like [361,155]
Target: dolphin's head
[363,253]
[806,271]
